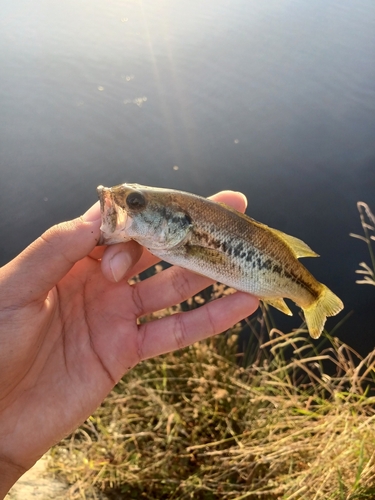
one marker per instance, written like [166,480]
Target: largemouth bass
[216,241]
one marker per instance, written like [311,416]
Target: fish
[215,240]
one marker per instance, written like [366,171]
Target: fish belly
[261,276]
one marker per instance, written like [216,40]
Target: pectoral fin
[279,304]
[206,254]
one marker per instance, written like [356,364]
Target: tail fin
[327,304]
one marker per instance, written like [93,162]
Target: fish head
[150,216]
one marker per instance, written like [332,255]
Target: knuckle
[137,301]
[179,331]
[180,284]
[141,337]
[210,321]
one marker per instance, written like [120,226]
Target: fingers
[117,264]
[97,253]
[180,330]
[119,259]
[177,285]
[234,199]
[32,274]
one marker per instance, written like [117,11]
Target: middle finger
[167,288]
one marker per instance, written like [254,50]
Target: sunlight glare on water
[275,99]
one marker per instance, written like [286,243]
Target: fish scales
[215,240]
[247,264]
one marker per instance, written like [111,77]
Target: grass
[368,226]
[289,419]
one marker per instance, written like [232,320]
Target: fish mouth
[115,219]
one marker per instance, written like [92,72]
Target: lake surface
[276,99]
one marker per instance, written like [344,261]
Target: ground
[36,484]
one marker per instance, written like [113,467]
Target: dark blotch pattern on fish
[297,279]
[237,251]
[250,255]
[182,219]
[163,212]
[235,248]
[277,269]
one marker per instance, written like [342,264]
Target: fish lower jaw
[109,236]
[112,238]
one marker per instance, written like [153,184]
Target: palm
[76,350]
[98,324]
[81,339]
[68,333]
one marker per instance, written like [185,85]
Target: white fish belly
[245,277]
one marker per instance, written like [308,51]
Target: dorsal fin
[297,246]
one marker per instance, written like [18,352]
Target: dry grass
[194,424]
[368,225]
[295,421]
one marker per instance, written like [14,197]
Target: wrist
[9,475]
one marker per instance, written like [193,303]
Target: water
[276,99]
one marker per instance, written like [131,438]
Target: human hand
[69,332]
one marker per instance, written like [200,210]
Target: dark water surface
[276,99]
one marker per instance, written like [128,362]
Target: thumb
[35,271]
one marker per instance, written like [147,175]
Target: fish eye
[136,200]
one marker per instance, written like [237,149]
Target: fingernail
[92,214]
[119,264]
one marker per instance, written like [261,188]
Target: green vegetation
[291,419]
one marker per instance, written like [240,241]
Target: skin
[68,330]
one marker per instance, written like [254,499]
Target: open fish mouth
[115,219]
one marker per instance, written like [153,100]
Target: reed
[368,225]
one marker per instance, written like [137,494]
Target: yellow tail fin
[327,304]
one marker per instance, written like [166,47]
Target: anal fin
[279,304]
